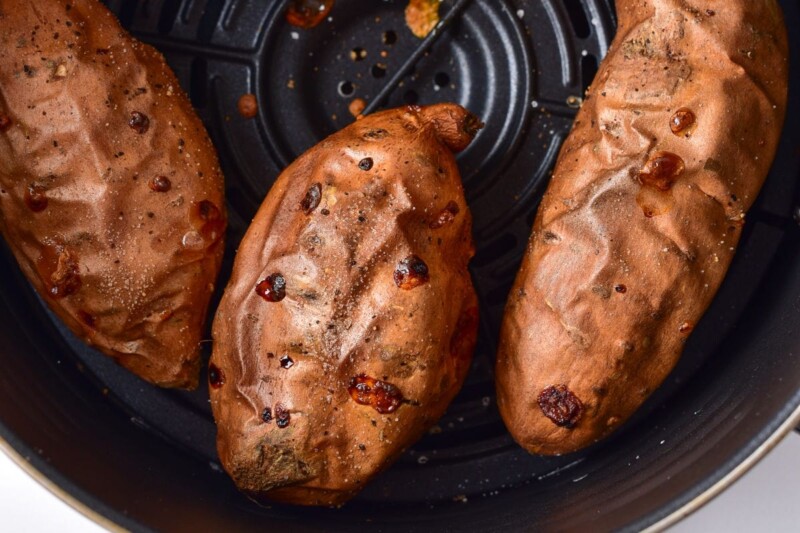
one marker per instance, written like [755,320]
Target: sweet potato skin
[111,196]
[343,227]
[631,243]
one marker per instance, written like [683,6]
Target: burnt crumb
[286,362]
[266,415]
[29,71]
[139,122]
[248,106]
[561,406]
[312,199]
[365,164]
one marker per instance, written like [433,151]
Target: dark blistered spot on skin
[550,238]
[380,395]
[411,272]
[683,122]
[59,270]
[561,406]
[462,343]
[311,199]
[139,122]
[662,170]
[712,165]
[446,216]
[686,328]
[160,184]
[266,415]
[365,164]
[212,224]
[286,362]
[86,318]
[622,289]
[376,134]
[307,13]
[216,378]
[35,198]
[5,122]
[272,288]
[282,416]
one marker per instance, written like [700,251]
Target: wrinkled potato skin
[343,314]
[606,296]
[70,78]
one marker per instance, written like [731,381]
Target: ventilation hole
[441,79]
[358,54]
[168,16]
[389,37]
[496,251]
[580,23]
[411,97]
[588,71]
[198,84]
[378,71]
[346,88]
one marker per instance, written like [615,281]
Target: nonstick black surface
[145,457]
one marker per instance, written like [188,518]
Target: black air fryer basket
[145,457]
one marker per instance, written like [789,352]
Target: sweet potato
[645,209]
[350,320]
[111,197]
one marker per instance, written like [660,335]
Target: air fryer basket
[145,457]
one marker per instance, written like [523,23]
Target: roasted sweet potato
[111,197]
[640,223]
[350,320]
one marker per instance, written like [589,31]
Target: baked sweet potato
[645,209]
[111,197]
[350,320]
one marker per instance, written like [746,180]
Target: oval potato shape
[350,320]
[640,222]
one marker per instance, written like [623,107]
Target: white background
[766,499]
